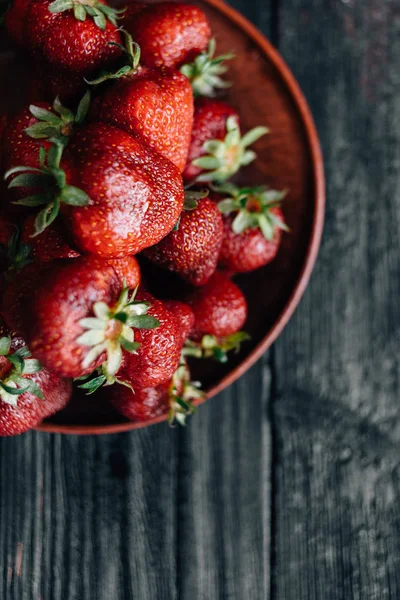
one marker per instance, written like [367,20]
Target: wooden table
[286,486]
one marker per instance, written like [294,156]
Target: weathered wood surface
[194,514]
[336,422]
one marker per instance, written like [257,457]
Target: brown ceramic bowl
[265,93]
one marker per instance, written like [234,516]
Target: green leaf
[143,322]
[31,366]
[42,114]
[83,108]
[60,6]
[14,391]
[40,131]
[207,162]
[253,135]
[34,389]
[227,206]
[46,217]
[17,362]
[241,222]
[114,358]
[54,155]
[74,196]
[100,20]
[93,384]
[92,323]
[266,227]
[92,337]
[23,352]
[20,170]
[129,346]
[28,180]
[79,12]
[34,201]
[5,345]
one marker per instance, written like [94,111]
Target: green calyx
[100,13]
[16,253]
[131,59]
[51,181]
[224,158]
[111,330]
[204,73]
[182,392]
[59,125]
[14,384]
[211,346]
[253,208]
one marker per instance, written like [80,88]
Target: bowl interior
[264,94]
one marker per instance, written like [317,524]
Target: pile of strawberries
[133,178]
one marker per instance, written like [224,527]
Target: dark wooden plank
[224,494]
[337,421]
[85,518]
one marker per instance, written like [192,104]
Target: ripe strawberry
[158,356]
[155,103]
[76,36]
[170,33]
[49,245]
[217,150]
[173,397]
[192,250]
[128,198]
[28,393]
[184,315]
[220,310]
[32,128]
[79,315]
[253,225]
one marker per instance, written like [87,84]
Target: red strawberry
[217,150]
[184,315]
[173,397]
[28,393]
[77,316]
[158,356]
[14,21]
[128,271]
[220,311]
[49,245]
[31,129]
[155,103]
[253,225]
[170,33]
[128,198]
[192,250]
[73,36]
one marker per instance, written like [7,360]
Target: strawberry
[192,250]
[28,393]
[217,150]
[78,317]
[170,33]
[34,127]
[220,311]
[158,356]
[49,245]
[155,103]
[76,36]
[128,198]
[173,397]
[253,225]
[184,314]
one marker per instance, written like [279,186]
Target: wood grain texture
[89,518]
[336,423]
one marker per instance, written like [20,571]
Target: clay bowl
[265,93]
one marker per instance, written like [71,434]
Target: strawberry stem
[204,73]
[100,13]
[13,383]
[131,55]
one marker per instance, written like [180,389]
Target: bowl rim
[316,233]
